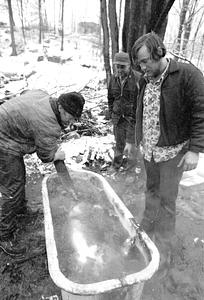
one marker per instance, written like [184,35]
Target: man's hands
[64,175]
[189,161]
[59,154]
[130,150]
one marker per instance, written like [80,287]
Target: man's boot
[117,162]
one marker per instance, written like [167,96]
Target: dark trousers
[12,188]
[120,134]
[160,197]
[119,131]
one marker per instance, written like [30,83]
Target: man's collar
[173,66]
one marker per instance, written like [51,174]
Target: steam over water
[90,239]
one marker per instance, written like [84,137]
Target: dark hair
[153,43]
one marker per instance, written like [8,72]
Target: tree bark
[12,24]
[136,25]
[200,56]
[119,17]
[188,26]
[21,14]
[113,26]
[106,45]
[62,24]
[195,34]
[143,16]
[126,24]
[40,20]
[161,23]
[182,23]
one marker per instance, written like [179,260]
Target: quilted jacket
[28,124]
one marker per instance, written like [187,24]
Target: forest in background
[71,57]
[110,25]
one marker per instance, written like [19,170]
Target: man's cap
[72,103]
[121,58]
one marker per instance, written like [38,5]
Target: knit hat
[121,58]
[73,103]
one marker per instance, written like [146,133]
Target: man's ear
[60,107]
[160,52]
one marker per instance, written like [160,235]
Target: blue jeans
[12,188]
[160,196]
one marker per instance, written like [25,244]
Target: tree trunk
[195,34]
[126,24]
[160,20]
[143,16]
[54,19]
[106,45]
[62,24]
[119,17]
[182,23]
[45,22]
[113,26]
[200,56]
[188,26]
[21,14]
[12,24]
[136,25]
[40,20]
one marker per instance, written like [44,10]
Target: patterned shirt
[151,124]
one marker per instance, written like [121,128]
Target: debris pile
[11,84]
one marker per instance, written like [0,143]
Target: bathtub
[128,287]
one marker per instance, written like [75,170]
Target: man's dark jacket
[181,107]
[122,102]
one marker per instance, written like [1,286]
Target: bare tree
[160,24]
[187,26]
[21,14]
[183,13]
[126,23]
[119,17]
[62,26]
[12,25]
[143,16]
[140,17]
[200,56]
[106,44]
[113,26]
[45,20]
[54,18]
[196,33]
[191,17]
[40,20]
